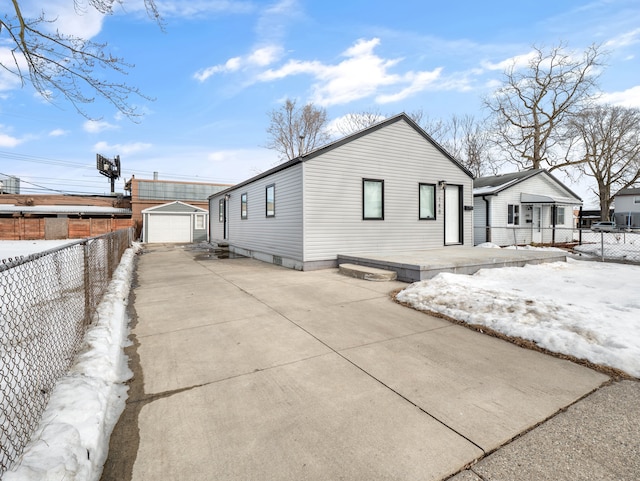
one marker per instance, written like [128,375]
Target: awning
[547,199]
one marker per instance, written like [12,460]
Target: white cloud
[518,61]
[97,126]
[70,18]
[194,8]
[627,98]
[121,149]
[9,79]
[418,82]
[58,132]
[8,140]
[624,39]
[260,57]
[362,74]
[265,56]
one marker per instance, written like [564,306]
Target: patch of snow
[72,439]
[584,309]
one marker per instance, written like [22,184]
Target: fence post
[87,285]
[602,245]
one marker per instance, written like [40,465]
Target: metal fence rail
[47,301]
[619,246]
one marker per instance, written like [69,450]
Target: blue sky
[219,68]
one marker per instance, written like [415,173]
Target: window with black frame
[243,206]
[427,201]
[270,193]
[513,214]
[372,199]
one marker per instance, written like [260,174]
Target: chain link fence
[47,301]
[619,246]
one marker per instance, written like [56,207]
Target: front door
[225,227]
[452,215]
[536,234]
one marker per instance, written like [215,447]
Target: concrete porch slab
[413,266]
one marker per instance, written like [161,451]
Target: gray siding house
[522,208]
[175,222]
[387,188]
[627,208]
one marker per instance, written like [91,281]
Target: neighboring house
[174,222]
[388,188]
[523,208]
[627,208]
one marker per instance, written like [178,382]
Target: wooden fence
[48,228]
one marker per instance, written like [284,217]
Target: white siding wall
[280,235]
[402,158]
[625,204]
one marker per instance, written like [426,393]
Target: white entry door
[452,215]
[536,234]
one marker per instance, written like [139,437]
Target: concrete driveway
[249,371]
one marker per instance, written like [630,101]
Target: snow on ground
[589,310]
[72,440]
[13,249]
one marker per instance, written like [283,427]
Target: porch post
[554,209]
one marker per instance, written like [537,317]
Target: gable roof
[495,184]
[345,140]
[629,191]
[175,207]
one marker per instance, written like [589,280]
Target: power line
[90,166]
[36,185]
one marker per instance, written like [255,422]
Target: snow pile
[585,309]
[72,440]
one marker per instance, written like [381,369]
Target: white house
[523,208]
[175,222]
[387,188]
[627,208]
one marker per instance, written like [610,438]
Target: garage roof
[62,209]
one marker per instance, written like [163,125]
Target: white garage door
[169,228]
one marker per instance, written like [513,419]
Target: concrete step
[367,273]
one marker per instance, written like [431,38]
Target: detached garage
[175,222]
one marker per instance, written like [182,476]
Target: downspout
[486,222]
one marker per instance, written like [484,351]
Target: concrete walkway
[249,371]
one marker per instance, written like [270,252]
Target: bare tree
[466,139]
[294,132]
[534,104]
[59,64]
[354,122]
[608,138]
